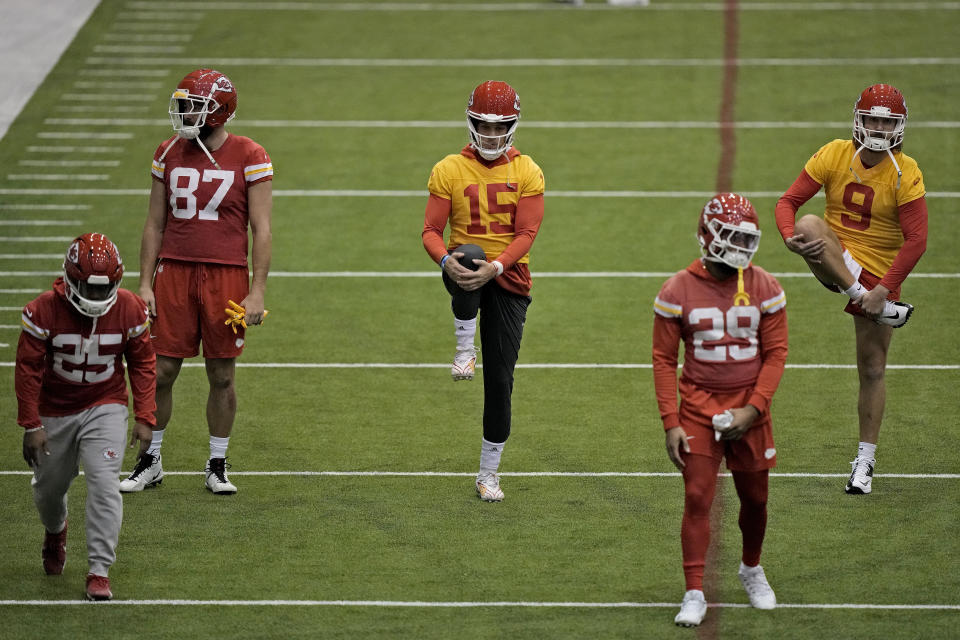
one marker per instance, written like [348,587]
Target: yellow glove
[235,315]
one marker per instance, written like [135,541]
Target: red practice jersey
[207,214]
[68,362]
[732,340]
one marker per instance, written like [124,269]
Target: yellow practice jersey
[483,200]
[862,204]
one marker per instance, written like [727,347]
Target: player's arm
[913,225]
[150,242]
[434,222]
[260,206]
[802,189]
[773,353]
[666,346]
[28,376]
[142,371]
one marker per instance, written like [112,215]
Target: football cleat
[147,473]
[54,552]
[861,477]
[758,589]
[98,587]
[488,487]
[895,314]
[217,480]
[464,364]
[692,609]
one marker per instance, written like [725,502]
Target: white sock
[745,569]
[218,447]
[867,450]
[465,331]
[490,456]
[855,291]
[155,442]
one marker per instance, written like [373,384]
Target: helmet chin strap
[199,142]
[892,159]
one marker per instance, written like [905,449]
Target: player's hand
[237,315]
[677,443]
[35,447]
[254,313]
[743,418]
[144,434]
[872,302]
[473,280]
[809,250]
[147,294]
[454,270]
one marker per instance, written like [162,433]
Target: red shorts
[755,451]
[191,298]
[864,277]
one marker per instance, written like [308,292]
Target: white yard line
[525,474]
[428,604]
[402,193]
[457,124]
[537,63]
[542,6]
[433,274]
[539,365]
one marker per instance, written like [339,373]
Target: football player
[208,187]
[873,232]
[72,398]
[491,196]
[730,316]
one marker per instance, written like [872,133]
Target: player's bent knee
[811,227]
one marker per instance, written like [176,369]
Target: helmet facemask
[188,113]
[93,297]
[732,244]
[882,139]
[491,147]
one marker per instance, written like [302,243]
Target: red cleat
[98,587]
[54,552]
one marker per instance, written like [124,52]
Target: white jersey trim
[774,304]
[666,309]
[257,171]
[33,329]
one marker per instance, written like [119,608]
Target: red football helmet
[92,270]
[885,102]
[203,97]
[729,230]
[492,102]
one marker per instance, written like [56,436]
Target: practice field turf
[353,451]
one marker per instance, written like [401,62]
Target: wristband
[40,428]
[499,266]
[443,260]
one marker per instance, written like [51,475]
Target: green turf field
[355,103]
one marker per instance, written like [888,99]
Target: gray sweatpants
[94,438]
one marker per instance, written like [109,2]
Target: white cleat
[217,481]
[861,478]
[692,609]
[758,589]
[895,314]
[464,364]
[488,487]
[147,473]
